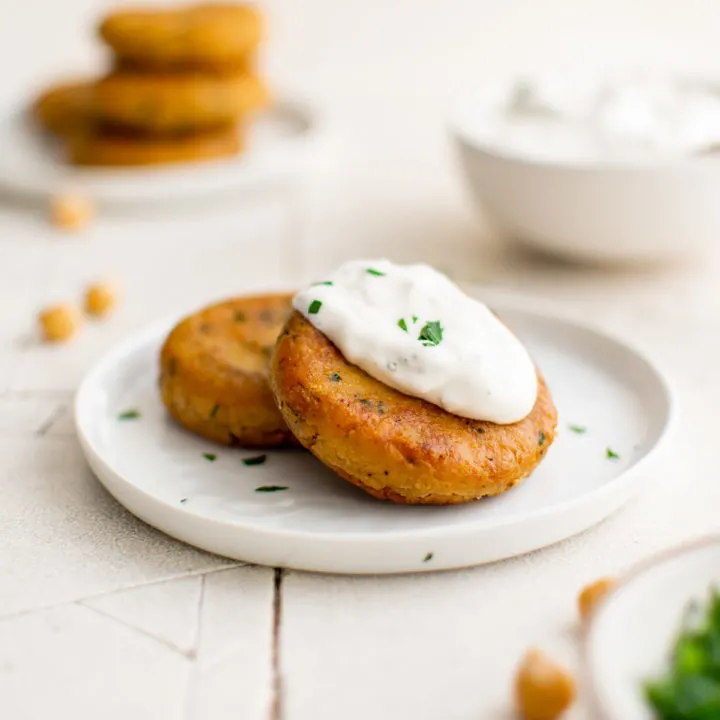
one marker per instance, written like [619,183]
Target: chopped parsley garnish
[691,687]
[541,439]
[239,316]
[214,410]
[315,306]
[578,429]
[325,282]
[612,455]
[210,457]
[402,324]
[428,557]
[414,319]
[183,501]
[271,488]
[256,460]
[376,273]
[431,334]
[335,377]
[129,415]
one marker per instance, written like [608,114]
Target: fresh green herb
[183,501]
[428,557]
[542,438]
[690,689]
[431,334]
[578,429]
[315,306]
[239,316]
[256,460]
[271,488]
[210,457]
[214,410]
[612,455]
[402,324]
[325,282]
[414,319]
[335,377]
[376,273]
[129,415]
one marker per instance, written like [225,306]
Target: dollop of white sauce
[413,329]
[636,117]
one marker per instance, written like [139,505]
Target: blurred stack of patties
[181,88]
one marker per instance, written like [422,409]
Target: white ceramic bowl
[607,212]
[632,633]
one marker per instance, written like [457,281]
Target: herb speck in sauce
[612,455]
[325,282]
[428,557]
[271,488]
[210,457]
[256,460]
[402,324]
[578,429]
[315,306]
[431,334]
[129,415]
[376,273]
[183,501]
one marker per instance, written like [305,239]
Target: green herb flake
[214,410]
[402,324]
[542,439]
[612,455]
[325,282]
[335,377]
[239,316]
[256,460]
[578,429]
[183,501]
[315,306]
[210,457]
[428,557]
[431,334]
[414,319]
[271,488]
[129,415]
[376,273]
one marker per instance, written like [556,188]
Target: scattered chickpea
[544,689]
[70,212]
[591,595]
[58,323]
[99,299]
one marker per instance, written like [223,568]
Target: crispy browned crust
[106,147]
[214,372]
[391,445]
[205,33]
[64,109]
[246,64]
[168,102]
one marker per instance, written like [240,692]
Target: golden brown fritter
[64,109]
[206,33]
[169,102]
[214,372]
[391,445]
[112,148]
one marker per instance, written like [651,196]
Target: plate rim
[627,479]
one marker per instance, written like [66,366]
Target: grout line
[134,628]
[192,675]
[137,586]
[276,702]
[50,421]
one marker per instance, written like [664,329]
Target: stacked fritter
[181,88]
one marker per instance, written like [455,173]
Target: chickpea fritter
[172,102]
[393,446]
[99,147]
[214,372]
[205,33]
[64,109]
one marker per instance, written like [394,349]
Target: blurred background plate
[282,146]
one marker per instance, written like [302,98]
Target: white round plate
[623,653]
[281,144]
[322,522]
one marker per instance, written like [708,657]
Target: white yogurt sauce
[413,329]
[630,118]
